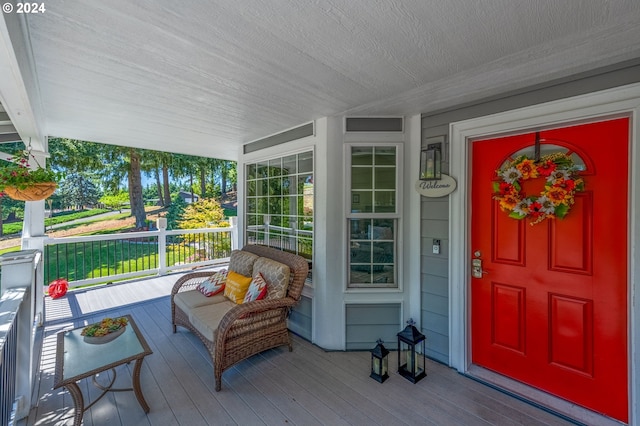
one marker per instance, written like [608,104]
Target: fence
[105,258]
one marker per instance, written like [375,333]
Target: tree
[152,168]
[115,201]
[175,212]
[166,161]
[228,174]
[201,214]
[204,166]
[78,157]
[183,166]
[113,165]
[156,175]
[110,163]
[77,190]
[157,163]
[135,188]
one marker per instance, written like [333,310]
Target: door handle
[476,268]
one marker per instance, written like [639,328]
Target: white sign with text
[436,188]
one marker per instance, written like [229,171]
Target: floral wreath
[562,182]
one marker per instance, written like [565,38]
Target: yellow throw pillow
[236,287]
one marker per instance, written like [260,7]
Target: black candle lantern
[431,162]
[411,353]
[379,362]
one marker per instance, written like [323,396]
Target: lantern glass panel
[431,163]
[379,363]
[411,354]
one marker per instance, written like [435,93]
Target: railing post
[18,272]
[30,244]
[161,224]
[233,223]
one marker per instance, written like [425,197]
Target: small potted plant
[104,331]
[20,182]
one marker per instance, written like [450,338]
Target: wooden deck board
[308,386]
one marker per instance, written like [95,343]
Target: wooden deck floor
[308,386]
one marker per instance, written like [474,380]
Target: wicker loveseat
[233,332]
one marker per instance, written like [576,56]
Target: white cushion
[206,319]
[187,300]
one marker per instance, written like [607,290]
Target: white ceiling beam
[19,93]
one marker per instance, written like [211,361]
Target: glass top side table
[77,360]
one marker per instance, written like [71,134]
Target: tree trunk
[135,189]
[203,183]
[223,176]
[157,176]
[193,198]
[1,223]
[165,182]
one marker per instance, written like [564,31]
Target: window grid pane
[373,179]
[373,240]
[279,202]
[372,250]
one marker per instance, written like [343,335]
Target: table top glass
[77,359]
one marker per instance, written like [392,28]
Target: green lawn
[16,227]
[10,249]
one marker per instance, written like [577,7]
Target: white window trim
[372,215]
[255,158]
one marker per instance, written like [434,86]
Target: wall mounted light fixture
[431,162]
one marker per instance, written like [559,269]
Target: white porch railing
[105,258]
[17,319]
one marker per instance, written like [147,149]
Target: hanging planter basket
[35,192]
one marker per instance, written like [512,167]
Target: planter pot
[104,339]
[35,192]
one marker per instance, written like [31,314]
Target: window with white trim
[279,203]
[373,216]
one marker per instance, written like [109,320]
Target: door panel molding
[573,351]
[508,303]
[583,208]
[507,238]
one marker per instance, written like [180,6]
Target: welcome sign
[436,188]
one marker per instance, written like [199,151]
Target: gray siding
[300,319]
[366,323]
[435,211]
[434,224]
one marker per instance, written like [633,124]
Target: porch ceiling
[205,77]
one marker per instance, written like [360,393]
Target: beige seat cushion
[276,275]
[206,319]
[188,300]
[242,262]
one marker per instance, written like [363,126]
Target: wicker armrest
[190,281]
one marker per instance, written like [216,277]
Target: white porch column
[33,235]
[33,225]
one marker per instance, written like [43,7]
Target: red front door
[551,307]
